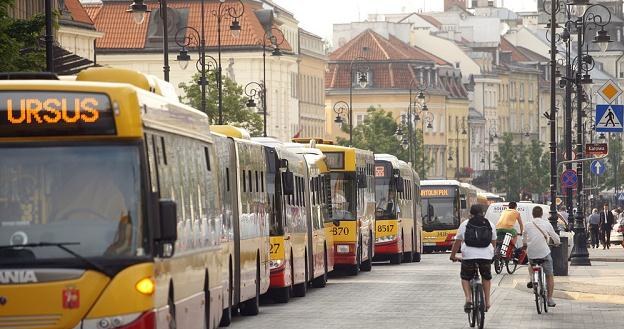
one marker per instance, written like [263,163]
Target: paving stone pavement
[421,295]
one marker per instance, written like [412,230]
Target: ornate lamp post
[416,107]
[275,38]
[492,135]
[197,38]
[341,108]
[362,78]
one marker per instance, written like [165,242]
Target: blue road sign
[598,167]
[609,118]
[569,179]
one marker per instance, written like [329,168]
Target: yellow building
[311,88]
[391,68]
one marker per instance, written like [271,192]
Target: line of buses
[122,208]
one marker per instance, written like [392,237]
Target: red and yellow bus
[445,204]
[353,205]
[110,214]
[398,221]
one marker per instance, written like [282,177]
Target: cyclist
[536,239]
[477,239]
[507,221]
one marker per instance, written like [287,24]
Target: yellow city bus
[353,205]
[398,221]
[445,204]
[246,198]
[289,250]
[318,194]
[109,210]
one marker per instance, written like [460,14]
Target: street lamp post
[49,37]
[492,134]
[362,81]
[463,132]
[341,108]
[272,37]
[417,105]
[139,10]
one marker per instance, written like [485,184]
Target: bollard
[560,257]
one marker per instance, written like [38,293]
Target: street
[422,295]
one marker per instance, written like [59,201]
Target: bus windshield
[88,197]
[440,214]
[385,196]
[344,196]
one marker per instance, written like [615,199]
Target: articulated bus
[110,214]
[289,221]
[318,196]
[445,204]
[353,205]
[243,173]
[398,221]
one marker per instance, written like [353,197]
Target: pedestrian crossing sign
[609,118]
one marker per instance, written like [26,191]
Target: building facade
[311,85]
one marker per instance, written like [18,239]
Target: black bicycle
[476,316]
[540,286]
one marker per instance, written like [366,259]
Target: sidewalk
[602,282]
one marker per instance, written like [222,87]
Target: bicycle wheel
[537,292]
[480,307]
[498,265]
[511,266]
[544,286]
[472,315]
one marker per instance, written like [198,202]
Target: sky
[317,16]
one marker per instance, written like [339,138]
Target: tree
[235,110]
[615,168]
[377,134]
[19,41]
[507,173]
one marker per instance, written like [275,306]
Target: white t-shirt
[537,247]
[474,252]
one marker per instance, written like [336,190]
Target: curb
[607,259]
[578,296]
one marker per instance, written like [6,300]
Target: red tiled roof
[78,13]
[516,55]
[122,33]
[416,51]
[92,9]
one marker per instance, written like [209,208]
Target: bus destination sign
[438,192]
[55,113]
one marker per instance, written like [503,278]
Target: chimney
[448,4]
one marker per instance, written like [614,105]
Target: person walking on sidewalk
[594,227]
[606,225]
[536,236]
[477,238]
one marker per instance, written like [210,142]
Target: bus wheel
[282,295]
[367,265]
[172,310]
[299,290]
[226,317]
[252,306]
[408,256]
[395,259]
[355,269]
[207,302]
[321,281]
[417,257]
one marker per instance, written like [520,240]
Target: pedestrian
[594,227]
[606,225]
[536,237]
[477,239]
[620,227]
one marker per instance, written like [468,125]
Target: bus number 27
[274,248]
[340,230]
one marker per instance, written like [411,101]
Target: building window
[521,96]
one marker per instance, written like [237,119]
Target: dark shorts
[468,269]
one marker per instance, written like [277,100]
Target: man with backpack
[477,238]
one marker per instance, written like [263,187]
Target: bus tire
[408,256]
[355,269]
[252,306]
[417,257]
[367,265]
[282,295]
[172,310]
[299,290]
[321,281]
[207,302]
[395,259]
[226,316]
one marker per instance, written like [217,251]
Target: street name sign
[609,118]
[610,91]
[598,167]
[597,149]
[569,178]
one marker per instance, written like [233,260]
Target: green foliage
[235,111]
[615,168]
[377,134]
[19,41]
[521,168]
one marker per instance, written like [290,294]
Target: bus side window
[151,161]
[227,178]
[257,182]
[262,180]
[249,180]
[207,155]
[244,180]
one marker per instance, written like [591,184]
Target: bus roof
[439,182]
[231,131]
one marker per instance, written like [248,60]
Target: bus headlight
[386,238]
[273,264]
[342,248]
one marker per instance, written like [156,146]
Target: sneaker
[551,303]
[530,285]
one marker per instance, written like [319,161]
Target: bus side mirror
[168,224]
[288,183]
[336,222]
[462,203]
[400,184]
[361,180]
